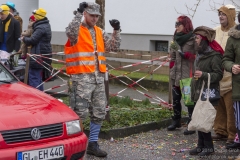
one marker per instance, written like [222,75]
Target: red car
[36,126]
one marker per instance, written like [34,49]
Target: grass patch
[126,113]
[137,75]
[57,65]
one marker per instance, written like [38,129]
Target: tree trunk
[101,21]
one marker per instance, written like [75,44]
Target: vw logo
[36,134]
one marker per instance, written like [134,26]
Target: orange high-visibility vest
[80,57]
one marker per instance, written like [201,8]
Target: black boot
[186,131]
[175,124]
[93,149]
[207,150]
[198,149]
[234,145]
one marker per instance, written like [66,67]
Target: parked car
[36,126]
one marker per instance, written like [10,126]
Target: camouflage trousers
[88,98]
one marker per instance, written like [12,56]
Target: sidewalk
[158,145]
[153,145]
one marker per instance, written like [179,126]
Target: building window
[161,46]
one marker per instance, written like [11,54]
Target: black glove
[115,24]
[82,6]
[181,53]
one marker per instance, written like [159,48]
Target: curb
[127,131]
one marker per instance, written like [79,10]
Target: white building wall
[142,21]
[136,16]
[60,12]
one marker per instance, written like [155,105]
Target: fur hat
[230,11]
[207,32]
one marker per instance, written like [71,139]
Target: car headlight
[73,127]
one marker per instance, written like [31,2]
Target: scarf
[3,27]
[214,45]
[182,38]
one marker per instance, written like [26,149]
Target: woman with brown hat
[182,58]
[208,60]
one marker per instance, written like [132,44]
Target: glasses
[177,24]
[222,14]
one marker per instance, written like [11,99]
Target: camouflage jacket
[111,44]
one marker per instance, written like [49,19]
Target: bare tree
[101,21]
[191,10]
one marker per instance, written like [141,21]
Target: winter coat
[226,82]
[13,35]
[40,41]
[210,62]
[182,66]
[231,57]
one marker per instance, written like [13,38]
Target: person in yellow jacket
[224,125]
[86,63]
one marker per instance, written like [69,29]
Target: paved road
[159,145]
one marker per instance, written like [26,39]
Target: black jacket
[40,41]
[13,42]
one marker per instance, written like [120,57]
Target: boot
[175,124]
[186,131]
[93,149]
[207,150]
[198,149]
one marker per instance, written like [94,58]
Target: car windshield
[5,76]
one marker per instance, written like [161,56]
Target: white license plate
[42,154]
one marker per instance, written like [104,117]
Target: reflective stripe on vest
[80,58]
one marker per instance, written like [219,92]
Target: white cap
[229,6]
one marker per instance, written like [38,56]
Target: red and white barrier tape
[54,87]
[131,54]
[132,71]
[43,65]
[141,79]
[58,92]
[138,63]
[57,60]
[50,77]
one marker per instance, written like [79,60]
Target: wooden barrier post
[27,67]
[106,82]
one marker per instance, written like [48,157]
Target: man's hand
[82,7]
[236,69]
[115,24]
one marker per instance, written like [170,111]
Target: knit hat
[32,18]
[11,5]
[39,14]
[230,11]
[4,9]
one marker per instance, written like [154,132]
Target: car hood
[22,106]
